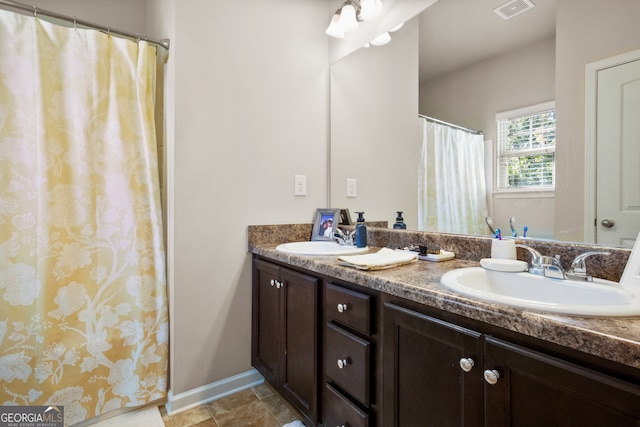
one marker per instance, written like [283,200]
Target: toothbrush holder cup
[503,249]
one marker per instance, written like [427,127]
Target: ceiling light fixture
[370,9]
[385,38]
[348,20]
[334,29]
[381,40]
[347,17]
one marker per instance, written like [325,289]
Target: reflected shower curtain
[452,189]
[83,308]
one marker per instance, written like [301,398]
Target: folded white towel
[296,423]
[384,258]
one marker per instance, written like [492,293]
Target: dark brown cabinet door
[267,349]
[285,334]
[300,380]
[534,389]
[424,384]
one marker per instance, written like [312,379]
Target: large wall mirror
[459,62]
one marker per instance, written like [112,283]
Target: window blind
[526,149]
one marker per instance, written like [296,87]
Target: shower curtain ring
[75,23]
[138,37]
[35,11]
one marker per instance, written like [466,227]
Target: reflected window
[526,148]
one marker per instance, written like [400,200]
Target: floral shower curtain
[83,306]
[452,186]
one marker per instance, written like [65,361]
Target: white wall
[251,110]
[374,129]
[472,96]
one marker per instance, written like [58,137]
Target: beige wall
[472,96]
[374,129]
[251,110]
[587,31]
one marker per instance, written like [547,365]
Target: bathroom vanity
[396,348]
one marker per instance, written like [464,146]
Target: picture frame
[325,222]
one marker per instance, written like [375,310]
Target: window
[526,148]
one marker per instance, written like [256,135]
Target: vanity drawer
[339,411]
[347,362]
[348,307]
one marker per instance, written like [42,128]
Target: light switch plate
[300,185]
[352,187]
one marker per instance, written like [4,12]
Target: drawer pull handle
[342,363]
[491,376]
[466,364]
[342,308]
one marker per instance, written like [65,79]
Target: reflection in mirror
[469,90]
[487,66]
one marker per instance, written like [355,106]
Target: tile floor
[259,406]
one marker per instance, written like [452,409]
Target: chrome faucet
[544,265]
[344,238]
[579,269]
[551,267]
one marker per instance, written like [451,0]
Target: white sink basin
[530,291]
[319,247]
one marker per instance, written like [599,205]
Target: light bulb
[370,9]
[348,21]
[334,29]
[397,27]
[382,39]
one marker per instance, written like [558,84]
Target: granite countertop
[615,339]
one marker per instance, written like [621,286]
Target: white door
[618,155]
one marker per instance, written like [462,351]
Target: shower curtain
[83,306]
[452,190]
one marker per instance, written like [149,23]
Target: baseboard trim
[199,396]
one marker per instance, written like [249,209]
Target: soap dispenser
[400,225]
[361,231]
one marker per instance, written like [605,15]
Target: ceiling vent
[513,8]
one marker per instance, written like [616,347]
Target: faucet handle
[579,268]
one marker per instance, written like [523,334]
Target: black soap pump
[361,231]
[400,225]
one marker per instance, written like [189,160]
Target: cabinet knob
[491,376]
[466,364]
[342,308]
[273,282]
[279,284]
[342,363]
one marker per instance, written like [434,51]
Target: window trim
[518,192]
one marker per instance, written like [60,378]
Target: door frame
[590,140]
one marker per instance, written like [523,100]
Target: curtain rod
[442,122]
[72,19]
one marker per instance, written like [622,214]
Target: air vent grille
[513,8]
